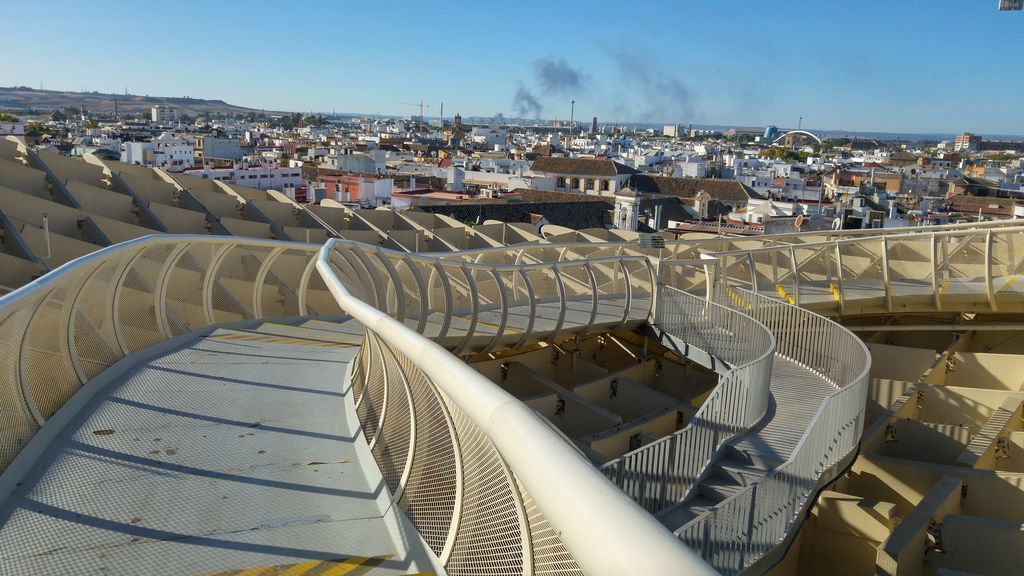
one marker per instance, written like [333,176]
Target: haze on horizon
[941,66]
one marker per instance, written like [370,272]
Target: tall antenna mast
[572,114]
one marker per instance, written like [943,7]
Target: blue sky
[899,66]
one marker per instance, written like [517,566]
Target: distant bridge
[797,132]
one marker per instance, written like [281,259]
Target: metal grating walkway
[237,450]
[796,395]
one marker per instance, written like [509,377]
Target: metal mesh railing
[65,328]
[662,473]
[489,485]
[472,307]
[931,270]
[746,526]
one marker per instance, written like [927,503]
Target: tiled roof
[575,215]
[722,190]
[580,166]
[530,195]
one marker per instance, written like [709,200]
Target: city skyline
[895,70]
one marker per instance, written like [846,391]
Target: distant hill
[23,98]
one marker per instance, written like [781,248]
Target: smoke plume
[525,103]
[557,76]
[655,94]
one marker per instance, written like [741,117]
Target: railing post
[503,303]
[627,282]
[446,318]
[933,245]
[307,274]
[160,290]
[561,302]
[885,273]
[414,269]
[989,291]
[532,301]
[474,302]
[261,276]
[796,275]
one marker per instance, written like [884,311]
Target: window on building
[589,184]
[575,183]
[560,182]
[604,185]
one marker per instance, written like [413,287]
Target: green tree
[5,117]
[58,116]
[70,111]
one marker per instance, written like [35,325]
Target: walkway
[240,449]
[796,395]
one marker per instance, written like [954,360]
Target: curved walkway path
[235,450]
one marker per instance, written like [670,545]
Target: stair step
[684,512]
[717,489]
[739,471]
[752,456]
[700,505]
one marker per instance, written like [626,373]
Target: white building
[165,151]
[164,115]
[626,209]
[16,129]
[490,137]
[252,175]
[690,167]
[582,175]
[216,147]
[349,161]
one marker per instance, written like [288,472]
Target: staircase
[796,394]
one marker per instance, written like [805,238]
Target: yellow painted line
[257,571]
[357,565]
[299,569]
[1010,282]
[350,566]
[945,286]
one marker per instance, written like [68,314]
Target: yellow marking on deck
[353,566]
[785,296]
[737,298]
[1010,282]
[835,291]
[945,286]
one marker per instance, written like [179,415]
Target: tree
[5,117]
[70,111]
[58,116]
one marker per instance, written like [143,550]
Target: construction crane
[421,105]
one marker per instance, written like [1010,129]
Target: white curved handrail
[604,532]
